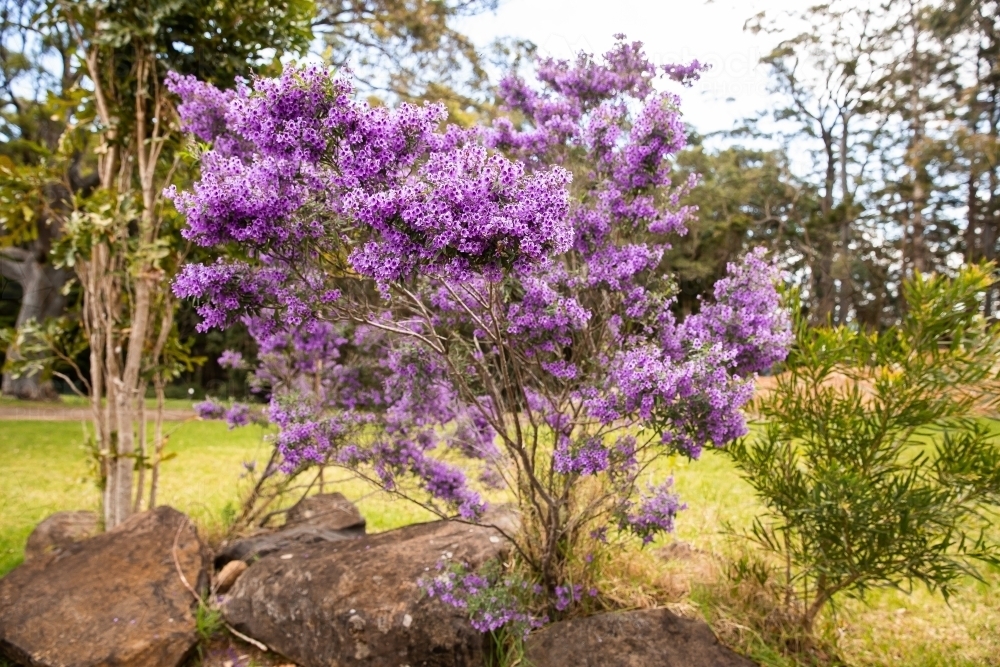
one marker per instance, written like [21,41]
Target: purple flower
[491,601]
[209,409]
[654,513]
[589,458]
[232,360]
[566,595]
[238,415]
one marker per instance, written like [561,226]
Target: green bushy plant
[871,454]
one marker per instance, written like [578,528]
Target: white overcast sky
[672,30]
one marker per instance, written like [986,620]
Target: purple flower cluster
[203,106]
[237,414]
[747,316]
[567,595]
[686,74]
[209,409]
[232,360]
[590,458]
[466,209]
[319,171]
[492,602]
[226,290]
[653,514]
[692,379]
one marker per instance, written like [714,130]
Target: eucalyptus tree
[917,105]
[969,34]
[825,80]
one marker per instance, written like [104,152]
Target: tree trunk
[917,165]
[825,296]
[41,286]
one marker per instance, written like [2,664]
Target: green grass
[888,627]
[44,468]
[72,401]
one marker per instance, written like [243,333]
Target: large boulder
[358,602]
[58,531]
[630,639]
[327,517]
[114,599]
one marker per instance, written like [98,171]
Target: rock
[114,599]
[329,510]
[58,531]
[680,551]
[358,600]
[228,575]
[327,517]
[630,639]
[503,517]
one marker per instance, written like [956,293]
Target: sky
[672,30]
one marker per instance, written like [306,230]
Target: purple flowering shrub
[498,293]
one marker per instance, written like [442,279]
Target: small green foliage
[47,348]
[228,515]
[869,458]
[208,622]
[507,649]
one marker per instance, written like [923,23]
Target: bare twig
[198,598]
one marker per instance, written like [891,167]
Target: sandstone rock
[228,575]
[358,602]
[329,510]
[327,517]
[114,599]
[504,517]
[630,639]
[58,531]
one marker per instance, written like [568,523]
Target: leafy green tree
[48,157]
[869,459]
[410,50]
[746,197]
[824,72]
[897,104]
[968,32]
[42,168]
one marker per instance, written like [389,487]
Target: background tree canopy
[877,158]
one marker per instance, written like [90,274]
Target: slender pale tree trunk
[158,441]
[915,158]
[823,265]
[122,291]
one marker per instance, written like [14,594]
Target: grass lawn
[889,627]
[72,401]
[44,468]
